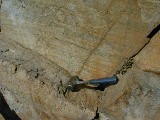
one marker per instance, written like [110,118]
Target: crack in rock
[96,117]
[129,62]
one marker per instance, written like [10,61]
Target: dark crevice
[16,68]
[96,117]
[150,35]
[64,92]
[36,75]
[5,50]
[124,68]
[6,111]
[140,49]
[153,32]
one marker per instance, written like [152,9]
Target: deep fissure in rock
[96,117]
[124,68]
[154,31]
[6,111]
[150,35]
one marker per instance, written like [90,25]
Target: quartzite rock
[87,38]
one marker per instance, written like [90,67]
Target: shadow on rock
[5,110]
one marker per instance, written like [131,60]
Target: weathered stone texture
[30,91]
[81,34]
[44,42]
[149,59]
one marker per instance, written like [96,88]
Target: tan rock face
[148,60]
[33,85]
[81,36]
[43,43]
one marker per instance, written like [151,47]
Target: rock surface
[43,43]
[81,36]
[32,85]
